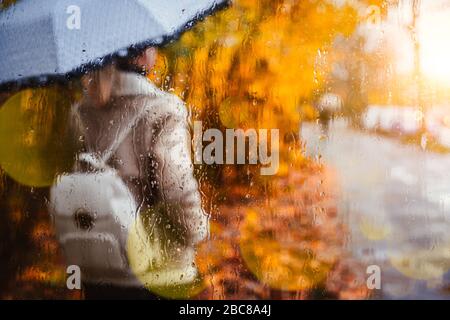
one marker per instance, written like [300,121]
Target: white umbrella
[53,38]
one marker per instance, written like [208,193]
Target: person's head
[141,63]
[97,85]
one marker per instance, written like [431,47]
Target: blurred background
[360,93]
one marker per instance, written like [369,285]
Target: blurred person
[152,156]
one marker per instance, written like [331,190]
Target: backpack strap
[99,161]
[107,154]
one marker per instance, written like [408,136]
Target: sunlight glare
[435,45]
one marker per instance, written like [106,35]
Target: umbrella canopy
[40,40]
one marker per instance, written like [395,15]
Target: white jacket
[154,161]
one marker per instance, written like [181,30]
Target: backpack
[93,211]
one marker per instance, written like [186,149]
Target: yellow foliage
[260,56]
